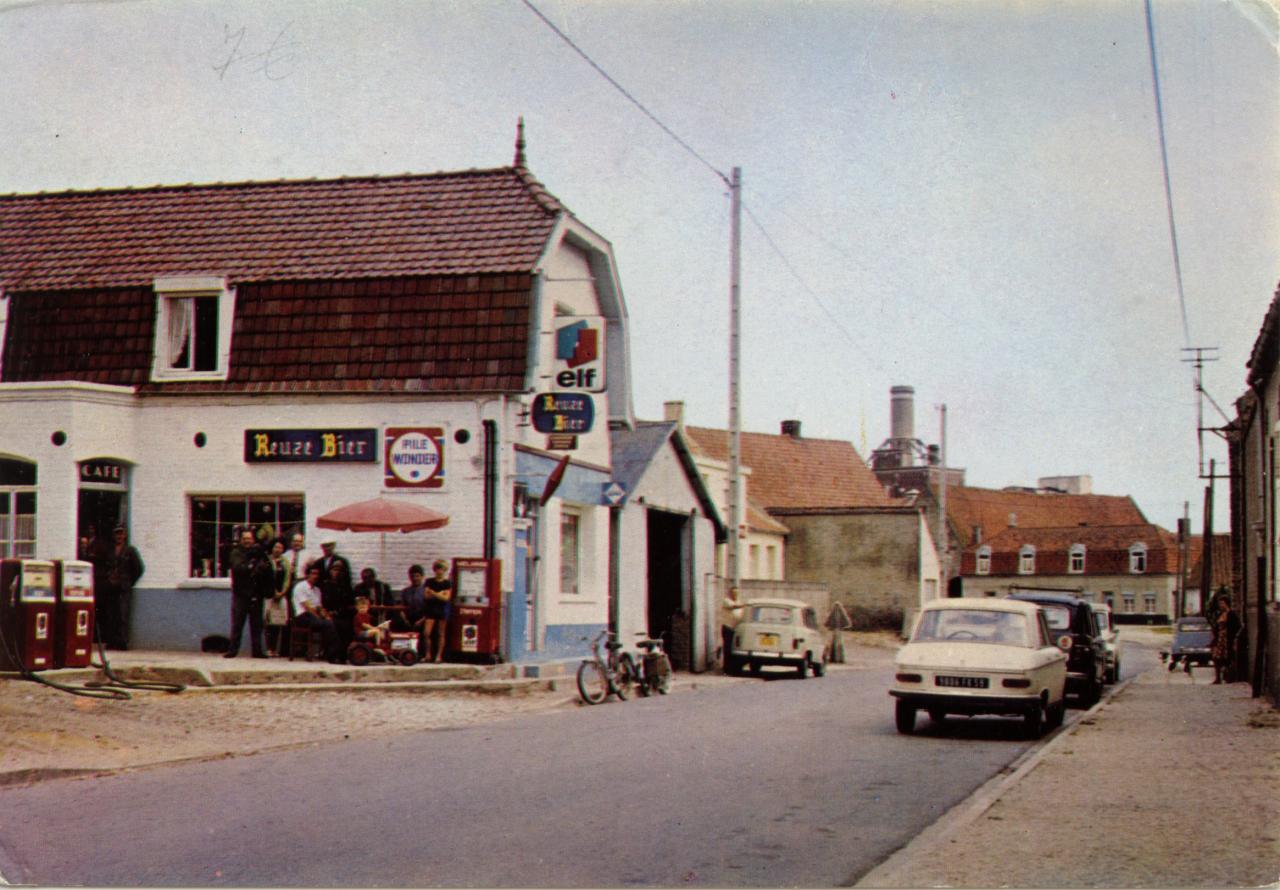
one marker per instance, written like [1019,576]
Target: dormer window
[193,328]
[984,560]
[1075,559]
[1138,559]
[1027,560]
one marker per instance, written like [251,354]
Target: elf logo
[579,353]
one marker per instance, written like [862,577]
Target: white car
[1110,639]
[981,656]
[777,632]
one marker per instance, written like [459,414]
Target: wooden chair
[304,641]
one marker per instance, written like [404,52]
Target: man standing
[414,600]
[252,580]
[121,566]
[329,557]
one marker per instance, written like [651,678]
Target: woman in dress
[1226,624]
[439,594]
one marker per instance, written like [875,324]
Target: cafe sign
[569,413]
[103,472]
[311,446]
[414,457]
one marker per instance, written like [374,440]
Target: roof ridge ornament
[520,142]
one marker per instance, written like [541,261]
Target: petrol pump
[73,641]
[27,610]
[475,625]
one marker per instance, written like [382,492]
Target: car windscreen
[770,615]
[1059,617]
[1104,621]
[973,626]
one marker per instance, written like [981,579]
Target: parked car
[1110,639]
[981,656]
[777,632]
[1192,643]
[1071,617]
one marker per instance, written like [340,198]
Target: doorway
[668,609]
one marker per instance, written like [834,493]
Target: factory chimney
[902,422]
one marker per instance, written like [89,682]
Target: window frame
[11,521]
[982,560]
[571,569]
[1027,559]
[223,542]
[1138,558]
[184,290]
[1076,559]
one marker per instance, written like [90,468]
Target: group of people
[274,589]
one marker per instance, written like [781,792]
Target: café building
[188,361]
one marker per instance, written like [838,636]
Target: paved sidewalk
[1171,782]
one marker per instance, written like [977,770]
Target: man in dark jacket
[252,581]
[117,567]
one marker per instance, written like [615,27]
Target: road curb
[985,796]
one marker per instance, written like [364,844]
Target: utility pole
[1200,356]
[1206,550]
[943,542]
[733,565]
[1184,546]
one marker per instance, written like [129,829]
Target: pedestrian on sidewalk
[1226,625]
[121,567]
[251,580]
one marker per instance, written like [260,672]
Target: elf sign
[579,353]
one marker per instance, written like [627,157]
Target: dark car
[1192,643]
[1087,655]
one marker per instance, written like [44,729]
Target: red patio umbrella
[382,515]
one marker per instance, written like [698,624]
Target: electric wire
[623,90]
[1164,162]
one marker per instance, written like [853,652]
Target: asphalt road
[775,782]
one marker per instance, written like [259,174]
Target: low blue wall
[177,620]
[566,641]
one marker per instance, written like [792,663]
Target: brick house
[192,359]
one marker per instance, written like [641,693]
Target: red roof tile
[993,510]
[1106,549]
[790,472]
[479,221]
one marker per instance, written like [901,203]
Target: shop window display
[217,520]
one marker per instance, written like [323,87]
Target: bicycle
[655,667]
[613,673]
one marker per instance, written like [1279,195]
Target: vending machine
[27,608]
[73,639]
[475,626]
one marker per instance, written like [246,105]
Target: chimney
[902,412]
[977,535]
[791,428]
[1013,520]
[673,411]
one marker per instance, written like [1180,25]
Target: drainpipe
[491,482]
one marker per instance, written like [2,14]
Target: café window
[570,551]
[193,328]
[218,519]
[17,509]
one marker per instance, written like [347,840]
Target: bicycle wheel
[624,678]
[663,682]
[593,685]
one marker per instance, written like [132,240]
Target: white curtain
[180,311]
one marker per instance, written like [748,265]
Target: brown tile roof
[797,473]
[477,221]
[760,521]
[424,334]
[1106,549]
[990,509]
[1221,567]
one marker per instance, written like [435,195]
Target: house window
[1075,561]
[1138,559]
[1027,560]
[570,551]
[218,519]
[193,328]
[984,561]
[754,551]
[771,557]
[1149,603]
[17,509]
[1128,599]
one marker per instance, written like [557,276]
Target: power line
[623,90]
[1168,191]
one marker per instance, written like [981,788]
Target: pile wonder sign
[414,457]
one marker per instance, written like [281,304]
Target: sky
[963,197]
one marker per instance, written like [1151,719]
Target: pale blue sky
[968,194]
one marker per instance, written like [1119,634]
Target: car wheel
[359,654]
[732,666]
[1033,722]
[1056,713]
[904,717]
[408,658]
[802,669]
[819,667]
[755,667]
[937,715]
[1173,663]
[1093,694]
[1116,672]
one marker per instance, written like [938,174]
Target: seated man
[309,614]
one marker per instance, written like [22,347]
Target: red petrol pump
[476,622]
[73,642]
[27,614]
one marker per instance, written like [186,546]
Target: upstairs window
[1027,560]
[1075,560]
[1138,559]
[193,328]
[984,561]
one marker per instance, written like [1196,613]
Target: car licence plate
[961,682]
[767,639]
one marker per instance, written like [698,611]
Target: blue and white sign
[614,493]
